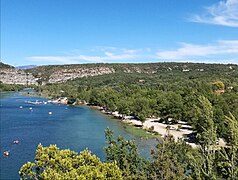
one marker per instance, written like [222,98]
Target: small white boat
[20,107]
[16,142]
[50,113]
[30,108]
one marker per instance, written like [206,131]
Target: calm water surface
[70,127]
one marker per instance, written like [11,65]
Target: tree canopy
[53,163]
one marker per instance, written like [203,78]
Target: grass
[139,132]
[130,128]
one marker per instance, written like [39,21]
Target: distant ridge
[62,73]
[26,67]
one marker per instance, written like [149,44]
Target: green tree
[53,163]
[124,152]
[168,159]
[124,108]
[219,85]
[228,160]
[141,108]
[206,135]
[171,105]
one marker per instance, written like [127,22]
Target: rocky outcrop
[63,75]
[134,69]
[14,76]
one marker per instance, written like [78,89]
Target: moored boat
[6,153]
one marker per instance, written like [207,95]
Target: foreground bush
[53,163]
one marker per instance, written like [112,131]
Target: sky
[42,32]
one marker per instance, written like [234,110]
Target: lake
[70,127]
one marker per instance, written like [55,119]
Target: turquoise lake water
[70,127]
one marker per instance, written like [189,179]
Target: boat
[6,153]
[34,102]
[16,142]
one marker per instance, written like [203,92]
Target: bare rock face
[14,76]
[63,75]
[135,69]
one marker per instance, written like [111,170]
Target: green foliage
[228,156]
[219,85]
[206,134]
[141,108]
[168,160]
[164,90]
[124,152]
[2,65]
[140,132]
[171,106]
[170,94]
[195,164]
[165,70]
[205,125]
[53,163]
[10,87]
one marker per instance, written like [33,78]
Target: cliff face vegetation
[62,73]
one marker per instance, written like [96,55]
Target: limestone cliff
[10,75]
[63,75]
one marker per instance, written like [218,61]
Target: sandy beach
[162,130]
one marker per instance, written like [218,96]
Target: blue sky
[117,31]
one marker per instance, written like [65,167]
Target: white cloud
[222,48]
[53,59]
[225,50]
[222,13]
[112,54]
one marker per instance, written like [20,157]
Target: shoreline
[151,128]
[152,125]
[129,126]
